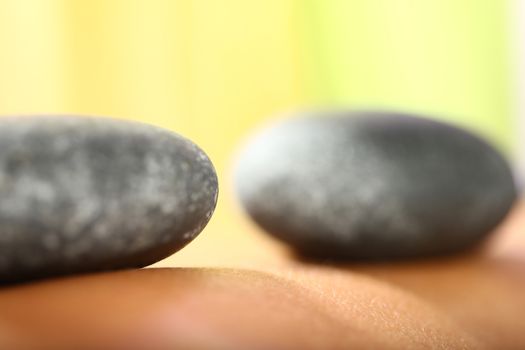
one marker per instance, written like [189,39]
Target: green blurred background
[214,69]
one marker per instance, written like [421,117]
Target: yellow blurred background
[214,69]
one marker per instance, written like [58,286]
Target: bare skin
[476,301]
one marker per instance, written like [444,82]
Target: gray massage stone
[373,185]
[81,194]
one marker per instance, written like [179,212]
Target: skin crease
[474,301]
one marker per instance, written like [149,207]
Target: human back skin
[474,301]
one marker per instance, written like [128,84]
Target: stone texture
[81,194]
[373,185]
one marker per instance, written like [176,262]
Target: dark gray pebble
[80,194]
[373,185]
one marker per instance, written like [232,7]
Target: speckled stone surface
[373,185]
[81,194]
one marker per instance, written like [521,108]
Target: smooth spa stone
[82,194]
[373,185]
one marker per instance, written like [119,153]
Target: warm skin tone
[475,301]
